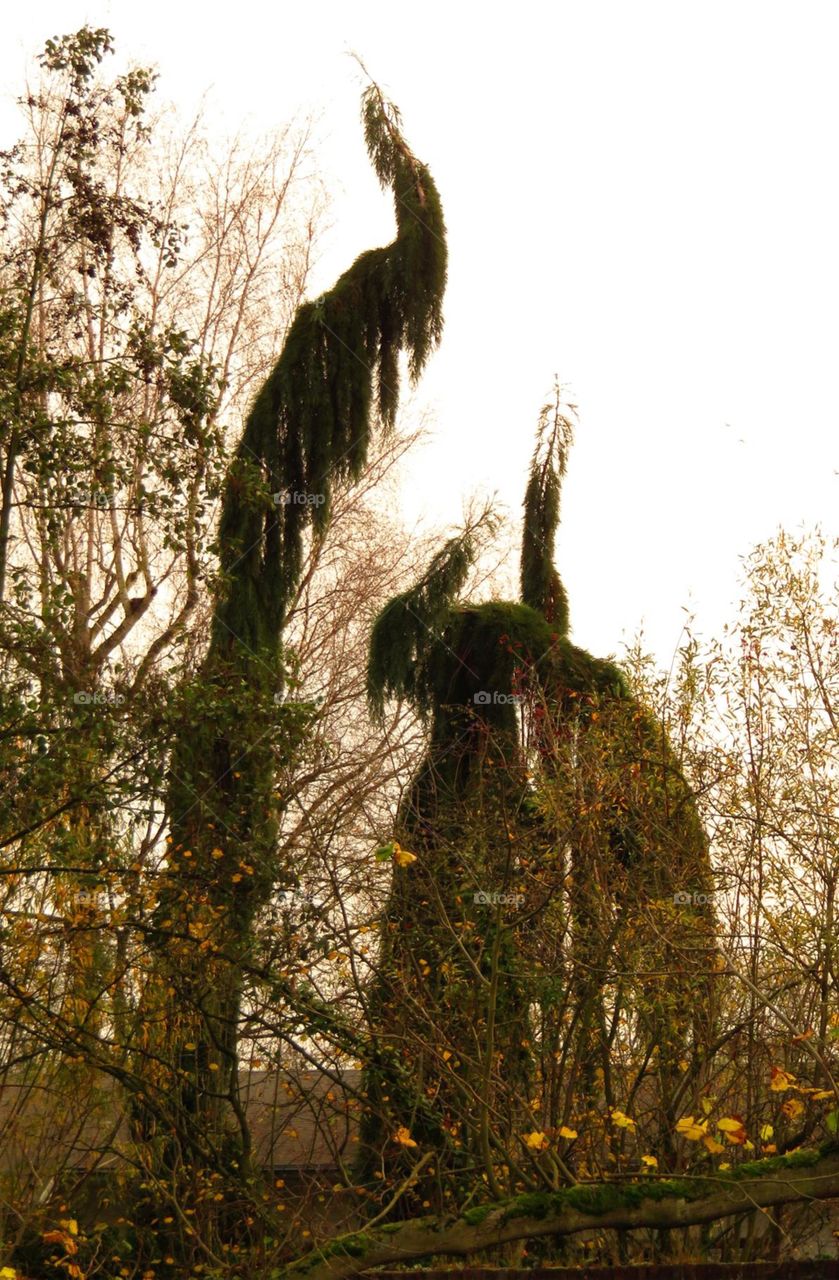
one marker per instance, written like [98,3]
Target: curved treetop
[541,585]
[310,425]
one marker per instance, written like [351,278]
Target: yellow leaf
[712,1145]
[69,1224]
[217,853]
[446,1054]
[729,1124]
[766,1132]
[622,1121]
[707,1105]
[536,1141]
[403,1137]
[401,856]
[781,1080]
[565,1132]
[820,1094]
[62,1238]
[650,1161]
[793,1108]
[725,1166]
[691,1129]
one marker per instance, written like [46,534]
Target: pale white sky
[641,197]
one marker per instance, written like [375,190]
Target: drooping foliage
[310,428]
[310,425]
[399,642]
[517,713]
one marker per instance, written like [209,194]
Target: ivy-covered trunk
[308,430]
[539,755]
[451,1000]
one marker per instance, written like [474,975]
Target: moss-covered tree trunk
[451,997]
[309,430]
[598,763]
[650,1205]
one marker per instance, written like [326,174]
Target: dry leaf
[781,1080]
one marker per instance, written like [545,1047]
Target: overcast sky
[641,198]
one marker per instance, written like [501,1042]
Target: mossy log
[664,1203]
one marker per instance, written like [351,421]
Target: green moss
[595,1199]
[802,1159]
[478,1214]
[533,1204]
[602,1198]
[354,1246]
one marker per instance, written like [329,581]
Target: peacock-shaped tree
[309,430]
[522,724]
